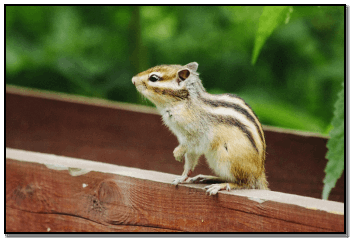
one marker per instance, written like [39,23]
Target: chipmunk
[221,127]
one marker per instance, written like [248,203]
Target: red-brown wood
[42,199]
[114,133]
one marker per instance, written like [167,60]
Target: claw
[179,179]
[213,189]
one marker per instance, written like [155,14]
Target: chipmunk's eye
[154,78]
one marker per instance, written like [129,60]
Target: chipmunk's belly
[196,138]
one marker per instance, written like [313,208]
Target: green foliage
[270,19]
[95,50]
[335,154]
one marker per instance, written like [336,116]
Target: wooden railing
[80,164]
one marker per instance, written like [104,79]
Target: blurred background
[95,50]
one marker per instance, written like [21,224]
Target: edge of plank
[77,167]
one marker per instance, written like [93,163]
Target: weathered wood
[134,136]
[105,197]
[25,221]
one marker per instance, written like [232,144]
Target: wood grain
[97,201]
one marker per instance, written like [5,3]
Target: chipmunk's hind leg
[205,179]
[214,188]
[220,184]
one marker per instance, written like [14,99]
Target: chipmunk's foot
[213,189]
[203,179]
[180,179]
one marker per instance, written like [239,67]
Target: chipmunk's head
[168,83]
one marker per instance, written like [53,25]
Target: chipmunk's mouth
[141,88]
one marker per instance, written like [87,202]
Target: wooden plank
[102,196]
[132,135]
[25,221]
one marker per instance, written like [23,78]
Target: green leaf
[335,154]
[270,19]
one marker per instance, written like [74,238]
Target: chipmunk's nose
[134,80]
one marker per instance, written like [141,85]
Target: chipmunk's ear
[183,74]
[192,66]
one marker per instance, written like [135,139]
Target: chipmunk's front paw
[179,153]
